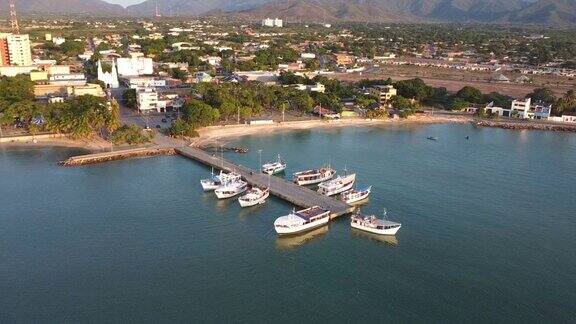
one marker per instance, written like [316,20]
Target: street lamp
[260,156]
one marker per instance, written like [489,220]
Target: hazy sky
[125,2]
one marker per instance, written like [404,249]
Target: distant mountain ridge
[64,7]
[552,12]
[549,12]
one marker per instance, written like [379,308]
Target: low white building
[135,66]
[138,82]
[564,119]
[203,77]
[58,40]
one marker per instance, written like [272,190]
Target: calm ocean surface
[489,234]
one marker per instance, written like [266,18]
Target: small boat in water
[372,224]
[254,196]
[272,168]
[302,221]
[311,177]
[217,181]
[432,138]
[337,185]
[231,189]
[355,195]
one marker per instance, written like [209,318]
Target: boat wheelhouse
[337,185]
[301,221]
[220,180]
[315,176]
[231,189]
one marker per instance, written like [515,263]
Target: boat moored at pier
[356,195]
[217,181]
[254,196]
[301,221]
[276,167]
[311,177]
[372,224]
[231,189]
[337,185]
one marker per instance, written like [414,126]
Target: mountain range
[548,12]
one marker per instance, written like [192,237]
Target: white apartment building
[269,22]
[520,107]
[384,93]
[19,49]
[135,66]
[147,101]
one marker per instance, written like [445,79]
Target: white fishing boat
[272,168]
[315,176]
[220,180]
[231,189]
[356,194]
[301,221]
[337,185]
[372,224]
[254,196]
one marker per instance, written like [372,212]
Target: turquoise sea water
[488,234]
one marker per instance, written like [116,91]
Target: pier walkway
[286,190]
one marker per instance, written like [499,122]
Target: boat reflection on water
[387,239]
[295,241]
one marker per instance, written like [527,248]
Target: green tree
[542,94]
[459,104]
[72,48]
[566,104]
[199,113]
[180,127]
[129,97]
[130,134]
[470,94]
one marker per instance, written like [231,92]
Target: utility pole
[14,18]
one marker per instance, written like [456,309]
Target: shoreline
[219,135]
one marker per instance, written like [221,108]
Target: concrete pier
[286,190]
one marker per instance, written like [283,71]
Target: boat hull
[303,228]
[358,198]
[206,186]
[275,171]
[261,200]
[338,191]
[390,231]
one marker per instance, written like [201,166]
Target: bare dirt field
[454,80]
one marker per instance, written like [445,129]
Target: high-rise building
[4,53]
[19,49]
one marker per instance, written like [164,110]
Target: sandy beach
[93,144]
[209,135]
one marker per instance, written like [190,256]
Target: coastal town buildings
[520,108]
[342,59]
